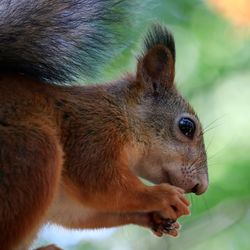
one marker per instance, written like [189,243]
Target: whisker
[213,164]
[209,144]
[191,198]
[211,128]
[201,161]
[206,206]
[213,155]
[211,123]
[194,162]
[200,167]
[202,172]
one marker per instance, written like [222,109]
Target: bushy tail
[58,40]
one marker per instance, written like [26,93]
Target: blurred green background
[212,72]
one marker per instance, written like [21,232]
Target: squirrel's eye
[187,127]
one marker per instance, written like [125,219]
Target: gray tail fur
[58,40]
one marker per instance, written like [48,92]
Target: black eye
[187,127]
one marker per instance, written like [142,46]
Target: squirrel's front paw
[173,202]
[161,226]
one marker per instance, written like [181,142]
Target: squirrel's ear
[157,64]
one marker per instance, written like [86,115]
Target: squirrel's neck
[111,105]
[101,118]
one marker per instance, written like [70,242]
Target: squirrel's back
[58,40]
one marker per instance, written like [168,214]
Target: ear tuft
[159,35]
[156,66]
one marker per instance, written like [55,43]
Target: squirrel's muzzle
[201,186]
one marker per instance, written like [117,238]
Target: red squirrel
[73,154]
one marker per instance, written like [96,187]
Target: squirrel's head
[171,134]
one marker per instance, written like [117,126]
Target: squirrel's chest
[68,212]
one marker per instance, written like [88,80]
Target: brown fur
[50,247]
[71,155]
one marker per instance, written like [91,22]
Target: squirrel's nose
[201,186]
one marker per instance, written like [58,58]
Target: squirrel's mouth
[197,186]
[170,180]
[166,177]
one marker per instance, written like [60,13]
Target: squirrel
[73,154]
